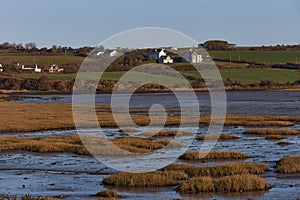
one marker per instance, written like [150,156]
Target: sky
[88,22]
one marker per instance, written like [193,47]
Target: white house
[192,57]
[111,53]
[160,56]
[167,59]
[31,67]
[1,68]
[55,69]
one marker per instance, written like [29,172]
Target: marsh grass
[111,194]
[30,117]
[219,170]
[271,131]
[283,143]
[167,133]
[147,179]
[288,165]
[235,183]
[213,155]
[220,137]
[73,144]
[274,137]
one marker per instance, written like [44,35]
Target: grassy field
[268,57]
[255,75]
[41,60]
[116,75]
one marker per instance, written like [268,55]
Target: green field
[255,75]
[41,60]
[251,75]
[116,75]
[264,57]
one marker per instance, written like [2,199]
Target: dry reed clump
[25,197]
[111,194]
[167,133]
[219,170]
[219,137]
[213,155]
[73,144]
[271,131]
[147,179]
[235,183]
[253,120]
[30,117]
[283,143]
[288,165]
[274,137]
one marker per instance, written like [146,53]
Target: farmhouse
[160,56]
[32,68]
[192,57]
[55,69]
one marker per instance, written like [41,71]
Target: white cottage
[192,57]
[32,68]
[55,69]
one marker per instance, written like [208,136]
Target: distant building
[32,68]
[55,69]
[111,53]
[1,68]
[192,57]
[160,56]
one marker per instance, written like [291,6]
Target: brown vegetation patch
[283,143]
[236,183]
[73,144]
[274,137]
[213,155]
[219,170]
[30,117]
[219,137]
[167,133]
[147,179]
[271,131]
[254,120]
[112,194]
[288,165]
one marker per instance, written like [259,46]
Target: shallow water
[79,177]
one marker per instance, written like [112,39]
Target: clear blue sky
[88,22]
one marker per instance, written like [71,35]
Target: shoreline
[227,89]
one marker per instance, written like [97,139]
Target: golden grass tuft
[274,137]
[221,137]
[283,143]
[288,165]
[167,133]
[271,131]
[235,183]
[112,194]
[147,179]
[219,170]
[73,144]
[213,155]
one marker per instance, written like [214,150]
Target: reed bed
[146,179]
[167,133]
[274,137]
[30,117]
[73,144]
[235,183]
[217,137]
[108,194]
[213,155]
[283,143]
[288,165]
[219,170]
[271,131]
